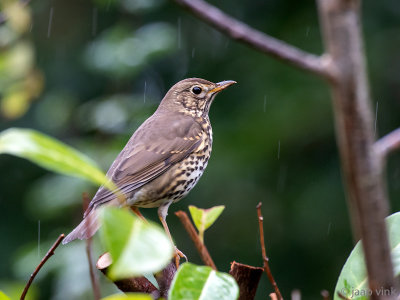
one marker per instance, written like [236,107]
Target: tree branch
[267,269]
[361,167]
[258,40]
[388,143]
[42,262]
[201,248]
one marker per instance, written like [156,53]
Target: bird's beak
[221,86]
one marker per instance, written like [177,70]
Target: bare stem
[267,269]
[388,143]
[256,39]
[42,262]
[201,248]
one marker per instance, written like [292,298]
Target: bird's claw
[178,255]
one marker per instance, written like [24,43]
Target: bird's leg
[138,213]
[162,214]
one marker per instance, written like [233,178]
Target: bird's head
[193,96]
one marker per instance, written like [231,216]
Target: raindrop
[193,52]
[38,250]
[279,148]
[376,117]
[308,30]
[144,93]
[265,103]
[179,33]
[329,228]
[50,22]
[94,21]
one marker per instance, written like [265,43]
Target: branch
[362,171]
[43,261]
[201,248]
[247,278]
[388,143]
[258,40]
[264,254]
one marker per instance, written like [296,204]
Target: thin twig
[264,254]
[273,296]
[256,39]
[93,277]
[388,143]
[201,248]
[43,261]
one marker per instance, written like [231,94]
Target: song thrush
[164,158]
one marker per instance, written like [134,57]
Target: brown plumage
[164,158]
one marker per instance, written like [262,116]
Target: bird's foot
[178,255]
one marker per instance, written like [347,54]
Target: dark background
[106,65]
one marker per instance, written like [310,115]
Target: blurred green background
[90,72]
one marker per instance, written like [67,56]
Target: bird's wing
[151,151]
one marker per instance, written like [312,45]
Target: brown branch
[267,269]
[164,278]
[201,248]
[362,170]
[256,39]
[247,278]
[388,143]
[273,296]
[93,277]
[134,284]
[42,262]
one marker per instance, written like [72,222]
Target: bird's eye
[196,90]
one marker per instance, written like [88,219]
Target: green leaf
[352,281]
[204,218]
[3,296]
[51,154]
[137,247]
[129,296]
[202,283]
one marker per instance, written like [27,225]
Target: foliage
[50,154]
[3,296]
[204,218]
[352,281]
[200,283]
[137,247]
[20,81]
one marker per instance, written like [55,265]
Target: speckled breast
[180,179]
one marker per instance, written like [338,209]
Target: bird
[164,158]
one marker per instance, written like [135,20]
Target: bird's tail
[86,229]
